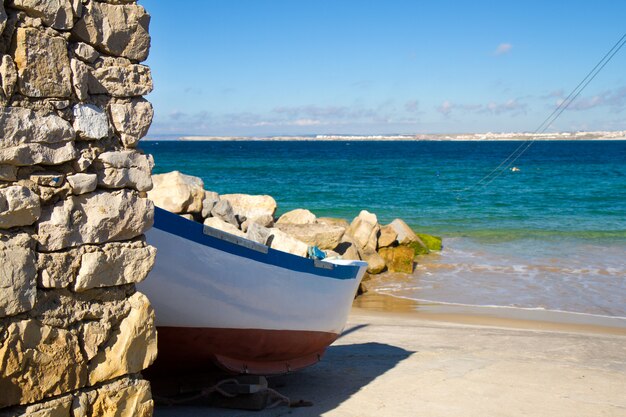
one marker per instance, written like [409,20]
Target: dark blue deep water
[565,208]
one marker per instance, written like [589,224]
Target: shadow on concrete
[343,371]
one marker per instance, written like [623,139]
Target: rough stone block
[131,348]
[82,183]
[124,169]
[96,217]
[119,30]
[114,264]
[132,120]
[126,80]
[90,122]
[39,361]
[8,76]
[18,274]
[42,63]
[28,138]
[314,234]
[251,206]
[364,229]
[58,14]
[19,206]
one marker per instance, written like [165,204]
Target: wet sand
[394,360]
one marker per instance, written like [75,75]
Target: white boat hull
[246,310]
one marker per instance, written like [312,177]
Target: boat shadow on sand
[344,370]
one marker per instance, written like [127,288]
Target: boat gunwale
[190,230]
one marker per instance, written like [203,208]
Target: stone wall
[74,332]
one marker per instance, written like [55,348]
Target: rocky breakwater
[74,332]
[392,247]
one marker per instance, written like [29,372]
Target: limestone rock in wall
[39,361]
[126,80]
[58,407]
[132,120]
[82,183]
[120,30]
[129,169]
[132,347]
[80,79]
[17,275]
[28,138]
[8,76]
[85,52]
[19,206]
[96,217]
[3,17]
[91,266]
[90,122]
[115,264]
[58,14]
[42,63]
[58,269]
[177,193]
[127,397]
[8,173]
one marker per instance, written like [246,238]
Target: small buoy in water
[515,169]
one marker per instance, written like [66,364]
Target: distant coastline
[489,136]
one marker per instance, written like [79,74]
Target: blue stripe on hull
[193,231]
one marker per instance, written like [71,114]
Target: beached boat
[229,301]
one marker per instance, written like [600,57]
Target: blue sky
[255,67]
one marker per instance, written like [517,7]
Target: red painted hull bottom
[238,351]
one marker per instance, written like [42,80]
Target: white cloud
[503,48]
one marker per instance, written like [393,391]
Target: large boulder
[405,234]
[297,216]
[251,206]
[364,230]
[281,241]
[398,259]
[387,237]
[116,29]
[333,221]
[433,243]
[347,249]
[176,192]
[18,274]
[224,211]
[314,234]
[258,233]
[19,206]
[29,138]
[96,217]
[211,198]
[217,223]
[43,64]
[375,263]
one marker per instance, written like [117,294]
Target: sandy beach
[394,361]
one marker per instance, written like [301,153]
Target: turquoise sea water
[552,235]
